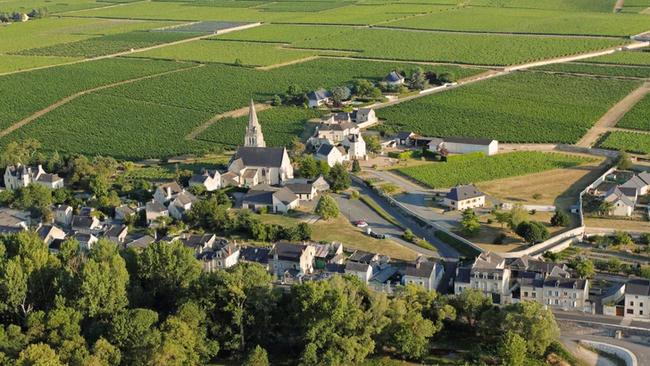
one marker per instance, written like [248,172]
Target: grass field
[247,53]
[638,118]
[599,69]
[633,142]
[639,58]
[520,19]
[280,125]
[466,169]
[25,93]
[521,107]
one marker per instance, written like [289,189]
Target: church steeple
[254,136]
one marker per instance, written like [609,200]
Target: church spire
[254,136]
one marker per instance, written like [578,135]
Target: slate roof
[567,283]
[287,251]
[325,149]
[463,275]
[468,140]
[638,286]
[336,126]
[82,221]
[49,178]
[464,192]
[421,269]
[320,94]
[356,266]
[259,197]
[300,188]
[254,254]
[403,135]
[115,230]
[141,242]
[261,156]
[173,186]
[155,207]
[394,77]
[362,257]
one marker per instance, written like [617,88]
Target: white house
[356,146]
[319,98]
[364,117]
[394,79]
[167,192]
[210,180]
[86,241]
[222,255]
[63,215]
[49,233]
[304,191]
[566,293]
[423,273]
[331,154]
[272,199]
[639,182]
[464,145]
[153,210]
[20,176]
[117,233]
[335,133]
[637,299]
[361,270]
[464,197]
[286,256]
[623,200]
[181,204]
[488,274]
[85,224]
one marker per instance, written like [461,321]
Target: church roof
[261,156]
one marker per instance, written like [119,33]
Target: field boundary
[240,112]
[74,96]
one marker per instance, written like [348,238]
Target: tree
[365,89]
[340,94]
[303,231]
[446,77]
[532,231]
[276,101]
[623,160]
[623,239]
[19,152]
[324,168]
[470,223]
[327,207]
[257,357]
[408,235]
[502,217]
[373,144]
[308,167]
[605,208]
[339,178]
[560,218]
[585,268]
[418,79]
[356,167]
[517,215]
[533,323]
[211,214]
[512,350]
[38,354]
[105,353]
[134,332]
[470,304]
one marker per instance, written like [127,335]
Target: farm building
[464,197]
[464,145]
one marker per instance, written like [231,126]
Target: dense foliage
[633,142]
[598,69]
[638,117]
[473,168]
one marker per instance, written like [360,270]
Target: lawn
[598,69]
[525,20]
[280,126]
[520,107]
[244,53]
[25,93]
[448,47]
[474,168]
[633,142]
[637,118]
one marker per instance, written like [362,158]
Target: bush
[560,218]
[533,232]
[327,208]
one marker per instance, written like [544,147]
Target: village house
[140,242]
[337,118]
[210,180]
[85,224]
[13,221]
[124,212]
[85,240]
[272,199]
[356,147]
[298,258]
[261,165]
[255,255]
[20,176]
[331,154]
[394,79]
[319,98]
[63,215]
[223,254]
[327,254]
[198,242]
[154,210]
[167,192]
[566,293]
[622,199]
[640,183]
[424,273]
[464,197]
[181,204]
[117,234]
[364,117]
[361,270]
[49,233]
[464,145]
[404,138]
[304,191]
[637,299]
[488,273]
[333,133]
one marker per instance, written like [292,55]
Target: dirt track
[232,114]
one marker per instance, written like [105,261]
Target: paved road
[445,251]
[602,320]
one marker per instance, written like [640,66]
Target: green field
[525,20]
[247,53]
[598,69]
[633,142]
[638,118]
[520,107]
[25,6]
[25,93]
[427,46]
[474,168]
[9,63]
[639,58]
[280,126]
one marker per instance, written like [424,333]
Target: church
[254,163]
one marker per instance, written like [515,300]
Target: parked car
[361,223]
[377,235]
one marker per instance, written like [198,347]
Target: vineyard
[598,69]
[633,142]
[638,118]
[639,58]
[525,20]
[280,125]
[521,107]
[245,53]
[25,93]
[474,168]
[13,62]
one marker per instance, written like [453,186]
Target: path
[608,121]
[72,97]
[287,63]
[231,114]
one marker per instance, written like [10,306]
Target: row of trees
[156,307]
[19,17]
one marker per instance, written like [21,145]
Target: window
[640,304]
[534,295]
[631,303]
[525,293]
[630,311]
[640,312]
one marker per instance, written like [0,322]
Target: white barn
[464,145]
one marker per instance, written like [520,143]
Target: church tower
[254,136]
